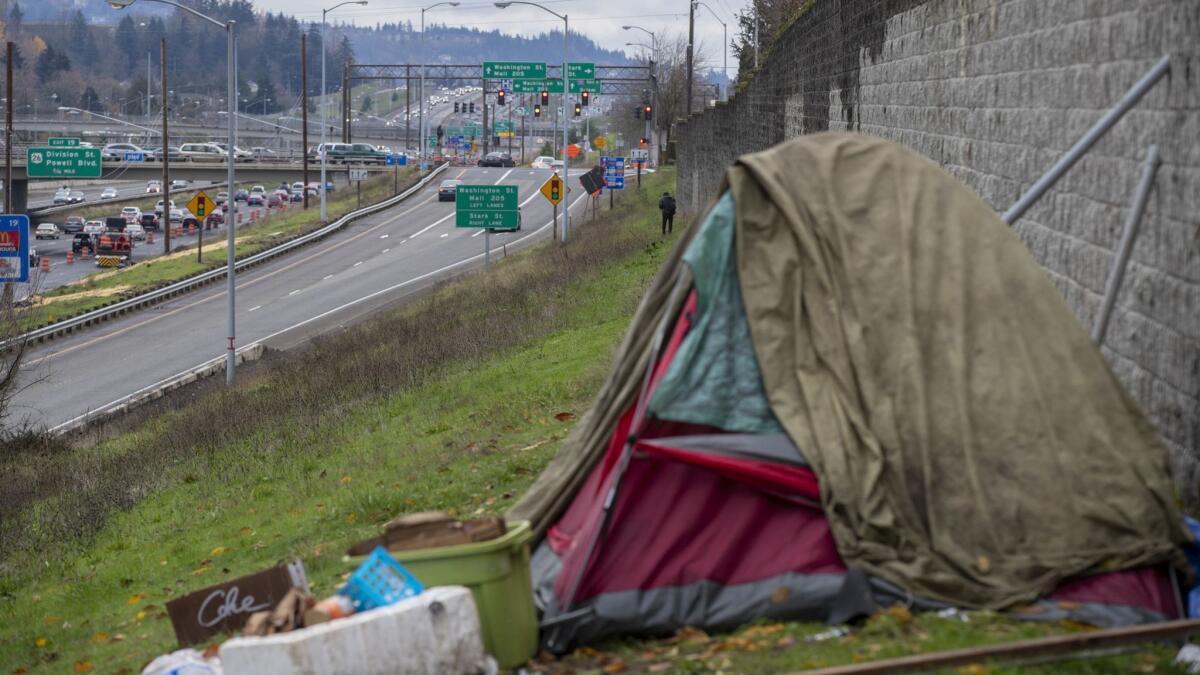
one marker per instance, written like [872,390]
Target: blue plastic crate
[380,581]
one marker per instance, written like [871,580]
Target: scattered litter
[954,613]
[1189,657]
[184,662]
[831,634]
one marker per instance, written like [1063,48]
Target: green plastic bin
[497,572]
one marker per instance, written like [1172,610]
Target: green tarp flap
[714,376]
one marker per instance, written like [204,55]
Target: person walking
[667,205]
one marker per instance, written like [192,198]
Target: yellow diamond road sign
[600,141]
[553,189]
[201,206]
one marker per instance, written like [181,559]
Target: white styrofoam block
[436,632]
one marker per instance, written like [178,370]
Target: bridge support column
[19,199]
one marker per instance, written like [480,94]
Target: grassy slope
[467,438]
[98,289]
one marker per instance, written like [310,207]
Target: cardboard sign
[226,607]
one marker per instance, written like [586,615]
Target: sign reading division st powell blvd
[63,162]
[491,206]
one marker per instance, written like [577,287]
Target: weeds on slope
[57,493]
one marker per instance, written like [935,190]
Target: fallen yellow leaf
[345,480]
[100,636]
[351,517]
[83,666]
[219,550]
[51,620]
[246,531]
[200,570]
[41,642]
[162,562]
[119,637]
[135,599]
[139,616]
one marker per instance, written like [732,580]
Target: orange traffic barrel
[45,263]
[70,257]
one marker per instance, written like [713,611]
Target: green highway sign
[581,71]
[532,86]
[59,142]
[64,162]
[491,206]
[503,125]
[554,86]
[513,70]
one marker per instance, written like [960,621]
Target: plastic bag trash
[954,613]
[828,635]
[1189,657]
[184,662]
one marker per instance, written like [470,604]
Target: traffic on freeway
[372,262]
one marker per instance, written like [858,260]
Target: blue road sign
[614,172]
[397,160]
[14,247]
[135,157]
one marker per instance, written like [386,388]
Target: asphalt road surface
[371,263]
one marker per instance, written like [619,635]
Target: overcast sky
[600,20]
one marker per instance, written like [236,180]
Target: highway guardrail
[204,278]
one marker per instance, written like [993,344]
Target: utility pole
[9,290]
[691,39]
[407,107]
[148,80]
[165,219]
[303,114]
[346,101]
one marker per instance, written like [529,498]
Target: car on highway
[214,220]
[542,162]
[94,227]
[296,195]
[201,152]
[149,221]
[189,221]
[109,193]
[72,225]
[448,190]
[178,184]
[76,197]
[274,201]
[259,189]
[177,215]
[255,199]
[47,231]
[239,155]
[135,231]
[62,196]
[221,198]
[132,212]
[82,241]
[156,154]
[158,208]
[241,196]
[153,187]
[498,159]
[115,152]
[265,154]
[298,186]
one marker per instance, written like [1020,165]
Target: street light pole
[653,87]
[566,212]
[422,131]
[324,108]
[724,51]
[231,74]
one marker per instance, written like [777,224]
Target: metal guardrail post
[1089,139]
[1121,258]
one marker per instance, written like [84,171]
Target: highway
[371,263]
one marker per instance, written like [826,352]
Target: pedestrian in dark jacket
[667,205]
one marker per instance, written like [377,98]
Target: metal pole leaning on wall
[1121,259]
[1089,139]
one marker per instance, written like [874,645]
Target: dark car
[81,241]
[274,201]
[241,196]
[149,221]
[498,159]
[190,223]
[214,220]
[255,199]
[297,196]
[73,224]
[448,189]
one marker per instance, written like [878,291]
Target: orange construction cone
[150,236]
[70,257]
[45,263]
[86,253]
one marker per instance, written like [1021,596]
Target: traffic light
[648,111]
[545,97]
[578,110]
[537,109]
[585,96]
[637,113]
[456,107]
[643,141]
[500,97]
[472,111]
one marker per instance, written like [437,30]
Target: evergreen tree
[128,41]
[83,45]
[344,54]
[91,101]
[367,103]
[16,16]
[49,63]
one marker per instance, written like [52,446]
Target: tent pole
[635,427]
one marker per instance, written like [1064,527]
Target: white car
[201,152]
[177,215]
[153,187]
[109,193]
[135,231]
[46,231]
[542,162]
[116,151]
[159,206]
[94,227]
[178,183]
[258,189]
[132,212]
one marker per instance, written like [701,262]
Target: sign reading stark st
[63,162]
[489,206]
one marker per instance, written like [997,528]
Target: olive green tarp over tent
[971,443]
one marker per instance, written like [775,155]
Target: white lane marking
[505,175]
[386,250]
[445,235]
[477,234]
[357,264]
[256,307]
[294,292]
[326,277]
[383,236]
[309,320]
[430,226]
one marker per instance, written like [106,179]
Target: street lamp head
[503,5]
[120,4]
[626,27]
